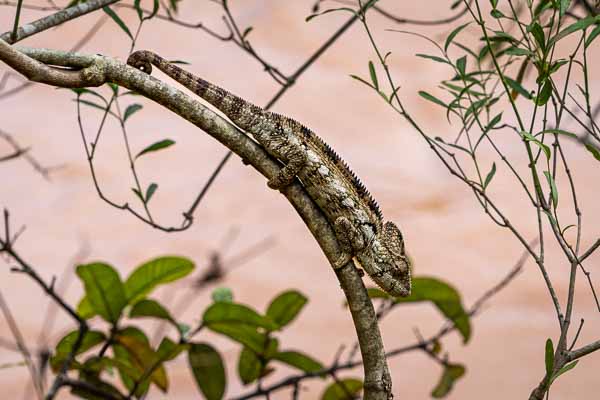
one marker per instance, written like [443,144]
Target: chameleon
[357,220]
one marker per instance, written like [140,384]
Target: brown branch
[53,20]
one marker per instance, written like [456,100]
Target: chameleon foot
[342,260]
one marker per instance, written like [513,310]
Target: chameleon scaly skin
[355,215]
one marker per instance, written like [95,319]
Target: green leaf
[169,350]
[516,86]
[143,357]
[155,8]
[208,370]
[530,138]
[452,372]
[461,65]
[130,110]
[286,306]
[517,51]
[432,98]
[150,191]
[162,144]
[544,94]
[118,20]
[434,58]
[222,294]
[564,369]
[564,6]
[373,75]
[328,11]
[553,189]
[558,132]
[497,14]
[138,9]
[138,194]
[299,360]
[150,308]
[85,309]
[344,389]
[582,24]
[104,289]
[358,78]
[241,333]
[453,34]
[549,357]
[445,297]
[236,313]
[538,34]
[66,344]
[594,150]
[593,34]
[249,366]
[153,273]
[489,176]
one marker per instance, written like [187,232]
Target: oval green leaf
[299,360]
[208,370]
[223,312]
[286,306]
[452,373]
[162,144]
[104,290]
[153,273]
[345,389]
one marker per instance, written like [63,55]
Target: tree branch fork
[77,70]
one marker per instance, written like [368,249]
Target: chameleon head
[386,261]
[141,60]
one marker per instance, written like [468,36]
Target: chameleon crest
[347,204]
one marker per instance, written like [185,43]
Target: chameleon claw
[342,260]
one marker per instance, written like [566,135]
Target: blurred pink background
[447,233]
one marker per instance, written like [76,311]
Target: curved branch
[441,21]
[96,70]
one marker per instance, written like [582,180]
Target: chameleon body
[348,206]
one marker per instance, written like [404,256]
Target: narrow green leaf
[549,357]
[249,366]
[150,191]
[518,51]
[432,98]
[461,65]
[162,144]
[138,9]
[130,110]
[208,370]
[452,373]
[558,132]
[445,297]
[299,360]
[223,312]
[373,75]
[453,34]
[118,20]
[138,194]
[564,369]
[594,150]
[358,78]
[530,138]
[516,86]
[582,24]
[538,34]
[328,11]
[344,389]
[593,34]
[434,58]
[489,176]
[497,14]
[104,289]
[155,272]
[285,307]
